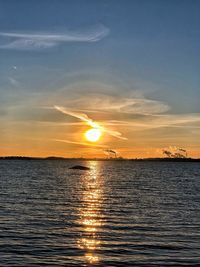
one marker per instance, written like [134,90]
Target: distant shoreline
[103,159]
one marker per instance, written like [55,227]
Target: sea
[118,213]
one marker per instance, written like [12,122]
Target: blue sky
[55,51]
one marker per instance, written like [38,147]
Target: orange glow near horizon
[36,140]
[74,151]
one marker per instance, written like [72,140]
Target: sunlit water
[116,214]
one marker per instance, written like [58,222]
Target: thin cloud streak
[154,122]
[79,143]
[103,102]
[85,118]
[14,82]
[184,121]
[36,41]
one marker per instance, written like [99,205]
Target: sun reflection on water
[91,213]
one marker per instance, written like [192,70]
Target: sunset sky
[132,67]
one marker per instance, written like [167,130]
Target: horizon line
[96,158]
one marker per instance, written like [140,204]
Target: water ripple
[116,214]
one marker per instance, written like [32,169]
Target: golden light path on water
[90,213]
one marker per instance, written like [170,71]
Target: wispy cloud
[14,81]
[157,121]
[42,40]
[85,118]
[79,143]
[108,103]
[137,123]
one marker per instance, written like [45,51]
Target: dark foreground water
[116,214]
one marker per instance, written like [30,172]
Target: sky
[130,66]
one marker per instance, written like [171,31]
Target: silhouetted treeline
[103,159]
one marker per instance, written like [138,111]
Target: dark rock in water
[79,167]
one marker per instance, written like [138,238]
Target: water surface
[117,214]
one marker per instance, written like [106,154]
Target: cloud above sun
[84,117]
[109,103]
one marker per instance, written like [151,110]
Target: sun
[93,135]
